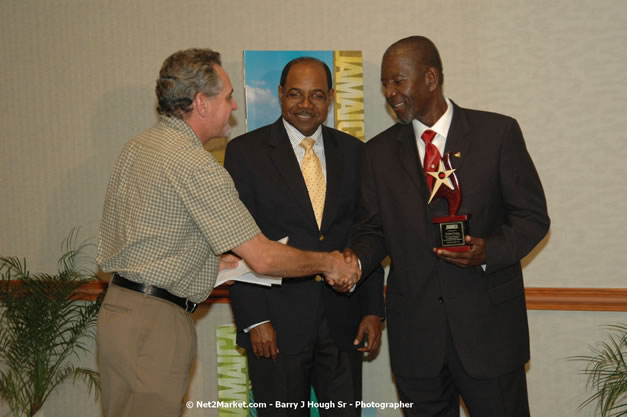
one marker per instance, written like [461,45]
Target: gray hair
[183,75]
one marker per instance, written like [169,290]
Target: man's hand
[474,257]
[263,341]
[350,255]
[344,273]
[371,325]
[228,261]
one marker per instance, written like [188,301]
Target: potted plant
[607,373]
[43,325]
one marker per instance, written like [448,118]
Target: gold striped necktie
[314,178]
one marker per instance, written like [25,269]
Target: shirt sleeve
[212,200]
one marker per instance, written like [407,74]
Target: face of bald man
[306,97]
[407,84]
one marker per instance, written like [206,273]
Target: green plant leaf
[607,373]
[43,327]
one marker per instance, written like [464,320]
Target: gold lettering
[349,93]
[352,128]
[232,371]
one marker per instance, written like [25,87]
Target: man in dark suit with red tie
[457,321]
[299,178]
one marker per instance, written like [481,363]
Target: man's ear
[331,94]
[281,94]
[200,104]
[432,78]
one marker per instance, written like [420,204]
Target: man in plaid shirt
[170,212]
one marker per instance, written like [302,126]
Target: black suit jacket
[270,183]
[485,310]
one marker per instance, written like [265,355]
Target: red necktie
[432,156]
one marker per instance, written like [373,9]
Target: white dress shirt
[441,128]
[296,138]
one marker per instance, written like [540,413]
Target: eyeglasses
[297,97]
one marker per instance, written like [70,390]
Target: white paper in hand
[243,273]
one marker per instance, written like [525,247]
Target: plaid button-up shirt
[170,211]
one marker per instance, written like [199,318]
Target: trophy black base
[453,230]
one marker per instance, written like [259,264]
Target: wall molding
[576,299]
[538,298]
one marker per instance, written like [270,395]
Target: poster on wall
[262,75]
[235,396]
[232,368]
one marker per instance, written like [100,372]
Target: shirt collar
[296,137]
[441,127]
[182,126]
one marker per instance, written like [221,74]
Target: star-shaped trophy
[454,227]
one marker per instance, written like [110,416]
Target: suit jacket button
[318,278]
[440,299]
[321,237]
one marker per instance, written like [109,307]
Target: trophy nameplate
[454,227]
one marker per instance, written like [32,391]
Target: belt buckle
[147,290]
[190,307]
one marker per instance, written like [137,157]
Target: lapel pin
[458,155]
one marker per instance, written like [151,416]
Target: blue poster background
[262,74]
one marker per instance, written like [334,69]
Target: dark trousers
[503,396]
[284,384]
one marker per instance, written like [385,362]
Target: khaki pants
[146,347]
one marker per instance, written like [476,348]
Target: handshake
[344,272]
[267,257]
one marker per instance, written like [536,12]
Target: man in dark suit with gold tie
[300,179]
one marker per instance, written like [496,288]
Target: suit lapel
[282,155]
[408,155]
[457,141]
[335,169]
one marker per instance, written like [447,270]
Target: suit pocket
[506,291]
[400,303]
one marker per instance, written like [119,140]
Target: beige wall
[77,80]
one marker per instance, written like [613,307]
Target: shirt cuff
[352,290]
[252,326]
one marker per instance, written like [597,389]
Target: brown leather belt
[184,303]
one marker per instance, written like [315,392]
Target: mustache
[305,113]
